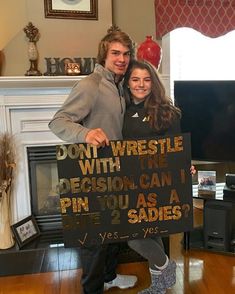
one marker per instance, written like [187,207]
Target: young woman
[150,113]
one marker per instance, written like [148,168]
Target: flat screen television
[208,113]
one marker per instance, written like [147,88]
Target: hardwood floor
[198,272]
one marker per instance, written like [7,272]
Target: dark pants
[99,265]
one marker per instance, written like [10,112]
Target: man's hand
[97,137]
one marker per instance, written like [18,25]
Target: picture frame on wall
[25,230]
[71,9]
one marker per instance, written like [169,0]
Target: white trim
[27,104]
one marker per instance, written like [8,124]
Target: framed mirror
[71,9]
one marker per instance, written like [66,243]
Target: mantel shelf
[19,82]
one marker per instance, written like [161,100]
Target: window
[194,56]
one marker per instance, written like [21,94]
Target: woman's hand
[193,170]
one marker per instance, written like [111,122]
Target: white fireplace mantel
[27,104]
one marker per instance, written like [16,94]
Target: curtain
[212,18]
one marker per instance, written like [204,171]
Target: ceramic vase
[6,237]
[32,51]
[150,50]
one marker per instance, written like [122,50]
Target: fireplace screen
[44,188]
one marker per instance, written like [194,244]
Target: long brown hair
[158,105]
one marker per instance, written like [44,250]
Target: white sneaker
[122,282]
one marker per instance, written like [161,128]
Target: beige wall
[72,38]
[59,37]
[136,17]
[12,18]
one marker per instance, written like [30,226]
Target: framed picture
[206,182]
[25,230]
[71,9]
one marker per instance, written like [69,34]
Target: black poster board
[128,190]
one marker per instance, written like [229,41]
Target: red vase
[150,50]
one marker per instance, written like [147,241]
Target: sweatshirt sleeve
[67,121]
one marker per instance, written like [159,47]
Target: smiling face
[140,84]
[117,59]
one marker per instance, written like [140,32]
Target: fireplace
[44,193]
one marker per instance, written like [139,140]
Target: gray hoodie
[94,102]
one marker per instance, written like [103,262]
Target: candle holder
[72,69]
[32,33]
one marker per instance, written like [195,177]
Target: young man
[93,113]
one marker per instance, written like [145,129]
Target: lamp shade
[150,51]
